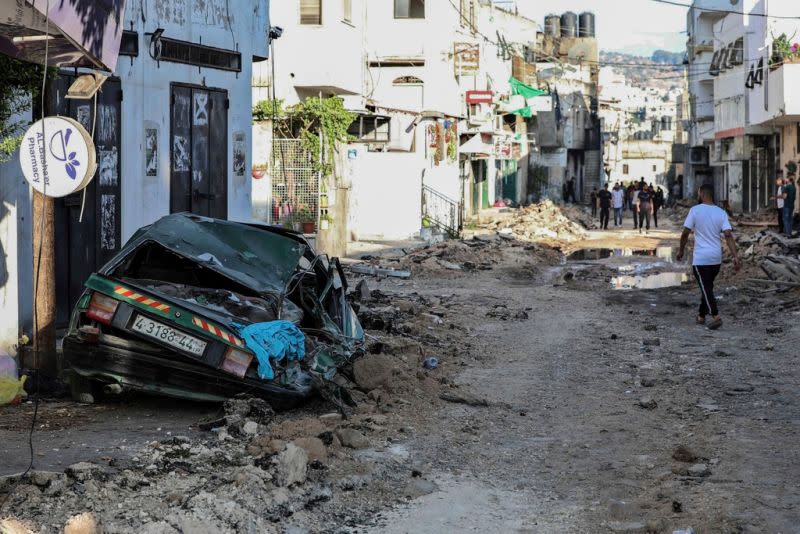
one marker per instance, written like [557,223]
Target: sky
[632,26]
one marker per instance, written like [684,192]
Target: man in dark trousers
[645,208]
[571,190]
[593,200]
[604,197]
[789,196]
[708,222]
[778,198]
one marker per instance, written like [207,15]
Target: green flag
[526,91]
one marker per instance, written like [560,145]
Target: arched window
[407,80]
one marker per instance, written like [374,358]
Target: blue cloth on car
[275,340]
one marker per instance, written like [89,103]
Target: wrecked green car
[168,313]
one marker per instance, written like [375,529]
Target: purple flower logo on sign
[59,144]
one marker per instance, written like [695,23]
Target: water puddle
[649,281]
[635,268]
[666,254]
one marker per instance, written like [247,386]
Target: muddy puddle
[636,268]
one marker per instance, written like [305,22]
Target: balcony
[784,99]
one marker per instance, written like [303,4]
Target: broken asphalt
[559,404]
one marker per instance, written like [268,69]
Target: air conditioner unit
[698,155]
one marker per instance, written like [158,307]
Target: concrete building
[406,69]
[172,128]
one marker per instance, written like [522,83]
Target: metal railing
[442,211]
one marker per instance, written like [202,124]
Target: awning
[477,145]
[79,33]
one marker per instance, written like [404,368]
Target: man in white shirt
[708,222]
[617,201]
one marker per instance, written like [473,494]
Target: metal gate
[199,151]
[295,185]
[83,245]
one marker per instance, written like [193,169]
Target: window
[371,129]
[347,9]
[625,168]
[409,9]
[654,168]
[311,12]
[407,80]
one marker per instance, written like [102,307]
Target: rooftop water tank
[586,25]
[569,24]
[552,25]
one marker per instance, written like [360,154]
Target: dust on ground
[555,404]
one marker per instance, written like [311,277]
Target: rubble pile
[775,255]
[546,222]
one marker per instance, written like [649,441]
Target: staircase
[442,211]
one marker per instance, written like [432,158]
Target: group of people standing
[785,196]
[642,199]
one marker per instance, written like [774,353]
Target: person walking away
[617,202]
[593,199]
[676,191]
[789,196]
[604,197]
[658,203]
[635,207]
[778,198]
[708,222]
[571,190]
[645,208]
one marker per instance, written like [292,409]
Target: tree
[19,84]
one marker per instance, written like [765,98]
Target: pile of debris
[546,222]
[777,256]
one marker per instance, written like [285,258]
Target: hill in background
[663,70]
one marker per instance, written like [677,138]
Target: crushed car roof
[254,256]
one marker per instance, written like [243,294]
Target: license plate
[168,335]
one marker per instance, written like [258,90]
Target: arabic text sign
[467,58]
[57,156]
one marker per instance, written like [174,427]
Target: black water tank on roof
[552,25]
[586,25]
[569,24]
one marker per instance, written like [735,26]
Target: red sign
[479,97]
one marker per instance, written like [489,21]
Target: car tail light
[102,308]
[236,362]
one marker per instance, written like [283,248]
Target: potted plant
[308,220]
[259,170]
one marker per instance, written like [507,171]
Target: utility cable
[37,275]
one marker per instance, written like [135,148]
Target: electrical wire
[726,11]
[37,275]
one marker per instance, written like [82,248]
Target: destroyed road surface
[513,383]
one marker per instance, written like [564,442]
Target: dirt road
[560,404]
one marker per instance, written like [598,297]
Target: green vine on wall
[305,121]
[19,83]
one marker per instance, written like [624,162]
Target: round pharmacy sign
[57,156]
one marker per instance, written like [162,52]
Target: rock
[291,466]
[44,479]
[352,439]
[683,453]
[372,371]
[83,471]
[630,527]
[648,382]
[314,447]
[469,399]
[250,428]
[9,525]
[614,336]
[450,265]
[651,342]
[265,445]
[363,293]
[699,470]
[252,408]
[648,403]
[419,487]
[85,523]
